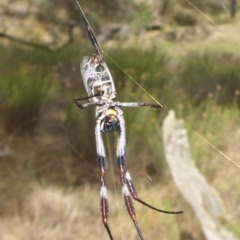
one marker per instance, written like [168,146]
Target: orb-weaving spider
[101,93]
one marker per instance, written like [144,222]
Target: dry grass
[57,213]
[42,198]
[32,211]
[43,189]
[68,209]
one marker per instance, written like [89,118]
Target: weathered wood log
[204,200]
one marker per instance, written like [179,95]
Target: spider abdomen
[97,79]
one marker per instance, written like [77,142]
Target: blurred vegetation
[207,83]
[54,21]
[142,17]
[37,88]
[24,88]
[204,74]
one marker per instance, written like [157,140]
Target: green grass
[25,87]
[200,88]
[205,84]
[175,228]
[30,87]
[142,17]
[201,84]
[234,227]
[31,78]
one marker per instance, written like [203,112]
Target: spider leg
[135,196]
[121,156]
[121,162]
[85,105]
[128,188]
[102,164]
[138,104]
[90,32]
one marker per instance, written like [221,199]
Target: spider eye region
[110,122]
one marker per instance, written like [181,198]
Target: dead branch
[46,47]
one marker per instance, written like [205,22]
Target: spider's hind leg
[102,164]
[133,192]
[122,167]
[128,188]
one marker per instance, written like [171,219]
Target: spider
[101,93]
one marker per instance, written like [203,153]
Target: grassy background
[49,185]
[51,142]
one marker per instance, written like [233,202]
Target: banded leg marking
[102,164]
[122,167]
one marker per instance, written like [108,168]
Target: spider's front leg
[89,104]
[138,104]
[85,105]
[102,164]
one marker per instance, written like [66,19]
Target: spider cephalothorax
[101,93]
[110,122]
